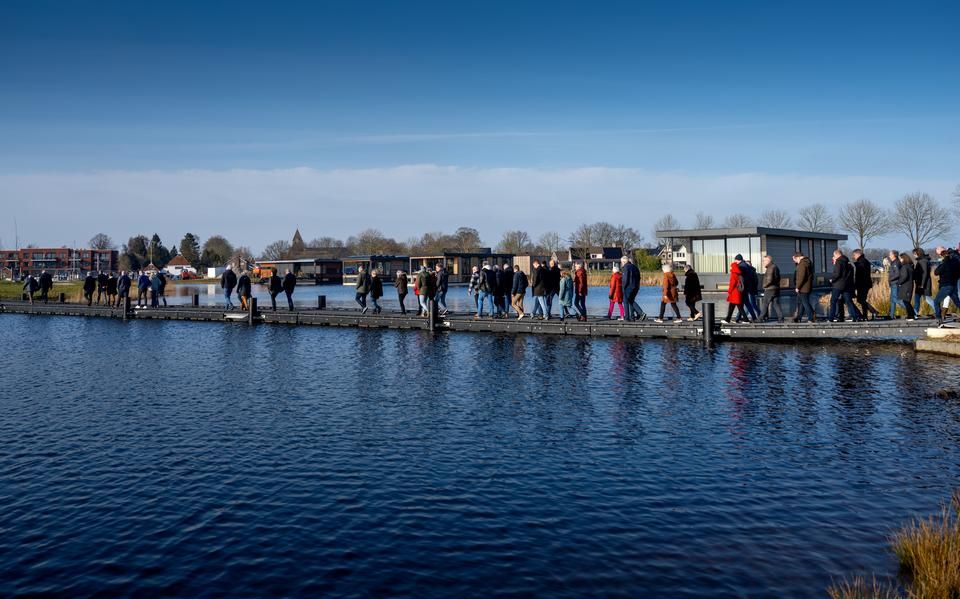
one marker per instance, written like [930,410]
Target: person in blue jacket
[123,287]
[143,287]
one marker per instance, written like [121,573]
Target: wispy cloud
[255,207]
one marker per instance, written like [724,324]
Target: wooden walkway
[898,330]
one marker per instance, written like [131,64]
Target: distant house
[178,265]
[524,262]
[214,272]
[299,250]
[320,264]
[596,257]
[459,264]
[677,255]
[712,250]
[387,266]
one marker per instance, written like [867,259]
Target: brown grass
[861,588]
[601,278]
[879,298]
[929,552]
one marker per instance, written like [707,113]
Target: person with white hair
[671,293]
[400,284]
[89,286]
[228,282]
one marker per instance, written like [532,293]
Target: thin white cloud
[254,207]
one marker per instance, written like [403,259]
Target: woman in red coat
[616,292]
[735,293]
[671,293]
[580,287]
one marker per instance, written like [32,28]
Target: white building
[179,265]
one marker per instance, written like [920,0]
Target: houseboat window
[748,247]
[823,255]
[709,255]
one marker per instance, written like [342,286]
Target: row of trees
[140,250]
[917,216]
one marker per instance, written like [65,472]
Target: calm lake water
[171,458]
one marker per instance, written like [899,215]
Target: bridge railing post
[62,298]
[709,322]
[251,310]
[321,302]
[126,306]
[432,314]
[196,300]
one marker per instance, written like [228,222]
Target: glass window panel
[738,245]
[711,257]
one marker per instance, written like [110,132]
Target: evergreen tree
[190,249]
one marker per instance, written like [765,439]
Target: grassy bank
[14,289]
[601,278]
[928,551]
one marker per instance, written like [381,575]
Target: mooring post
[432,314]
[24,297]
[709,322]
[63,298]
[321,302]
[252,310]
[126,306]
[196,300]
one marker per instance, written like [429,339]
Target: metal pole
[321,302]
[709,322]
[252,310]
[196,300]
[432,314]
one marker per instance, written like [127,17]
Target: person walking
[289,285]
[274,287]
[46,284]
[362,288]
[376,290]
[228,282]
[631,287]
[735,292]
[89,286]
[473,289]
[506,286]
[671,293]
[102,287]
[244,290]
[803,286]
[163,288]
[771,290]
[905,285]
[581,286]
[143,289]
[443,284]
[566,294]
[498,297]
[424,291]
[751,284]
[111,289]
[948,272]
[31,285]
[922,281]
[692,291]
[842,286]
[539,288]
[862,283]
[488,286]
[893,278]
[553,285]
[616,292]
[123,288]
[400,284]
[155,290]
[518,291]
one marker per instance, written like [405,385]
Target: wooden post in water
[432,314]
[321,302]
[126,306]
[196,300]
[709,322]
[252,310]
[63,298]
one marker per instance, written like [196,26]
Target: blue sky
[812,92]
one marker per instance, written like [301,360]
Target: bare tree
[582,237]
[921,218]
[371,242]
[737,221]
[276,250]
[703,221]
[515,242]
[775,219]
[956,196]
[864,220]
[325,242]
[102,241]
[816,217]
[665,223]
[627,238]
[467,239]
[551,243]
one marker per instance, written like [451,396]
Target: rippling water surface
[186,459]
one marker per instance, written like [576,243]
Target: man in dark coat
[443,284]
[289,284]
[553,285]
[89,286]
[518,290]
[362,289]
[376,290]
[244,290]
[505,288]
[102,287]
[841,282]
[922,281]
[893,278]
[228,282]
[539,288]
[692,291]
[163,287]
[751,283]
[275,287]
[803,286]
[30,286]
[631,287]
[863,282]
[46,284]
[123,288]
[400,284]
[948,272]
[771,290]
[111,289]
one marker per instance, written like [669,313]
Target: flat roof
[299,261]
[748,231]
